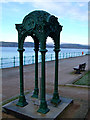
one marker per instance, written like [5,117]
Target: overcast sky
[73,16]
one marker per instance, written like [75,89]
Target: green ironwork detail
[51,57]
[32,59]
[39,25]
[24,59]
[22,101]
[1,62]
[36,89]
[55,98]
[69,54]
[14,61]
[35,93]
[43,107]
[60,56]
[63,55]
[43,104]
[66,55]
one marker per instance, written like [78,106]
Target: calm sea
[9,56]
[9,52]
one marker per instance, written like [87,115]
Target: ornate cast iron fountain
[39,25]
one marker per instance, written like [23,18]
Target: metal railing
[13,62]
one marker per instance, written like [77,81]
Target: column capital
[36,49]
[43,50]
[56,50]
[20,50]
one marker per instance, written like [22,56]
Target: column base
[22,101]
[55,100]
[43,107]
[35,93]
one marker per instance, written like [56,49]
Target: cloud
[78,11]
[75,11]
[64,9]
[81,4]
[5,1]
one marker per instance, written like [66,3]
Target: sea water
[10,54]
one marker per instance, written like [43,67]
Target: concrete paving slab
[30,110]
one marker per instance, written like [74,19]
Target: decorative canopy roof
[39,25]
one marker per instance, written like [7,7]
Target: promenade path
[10,76]
[10,82]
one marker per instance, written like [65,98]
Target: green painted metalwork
[24,59]
[43,104]
[63,55]
[55,98]
[60,56]
[51,57]
[22,101]
[32,59]
[7,62]
[14,60]
[69,54]
[36,89]
[1,62]
[66,55]
[39,25]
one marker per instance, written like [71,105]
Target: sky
[73,16]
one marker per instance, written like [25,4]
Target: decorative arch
[39,25]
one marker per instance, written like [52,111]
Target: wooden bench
[79,68]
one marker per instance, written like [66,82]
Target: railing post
[60,55]
[1,63]
[32,59]
[72,54]
[24,60]
[39,58]
[63,55]
[14,60]
[51,57]
[81,54]
[78,54]
[69,54]
[66,55]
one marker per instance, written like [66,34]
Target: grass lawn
[85,80]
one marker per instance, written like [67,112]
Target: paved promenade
[10,82]
[10,76]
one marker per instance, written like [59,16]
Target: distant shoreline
[49,47]
[31,44]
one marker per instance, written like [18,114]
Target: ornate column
[43,104]
[22,101]
[36,90]
[55,98]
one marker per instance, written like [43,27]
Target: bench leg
[83,69]
[77,72]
